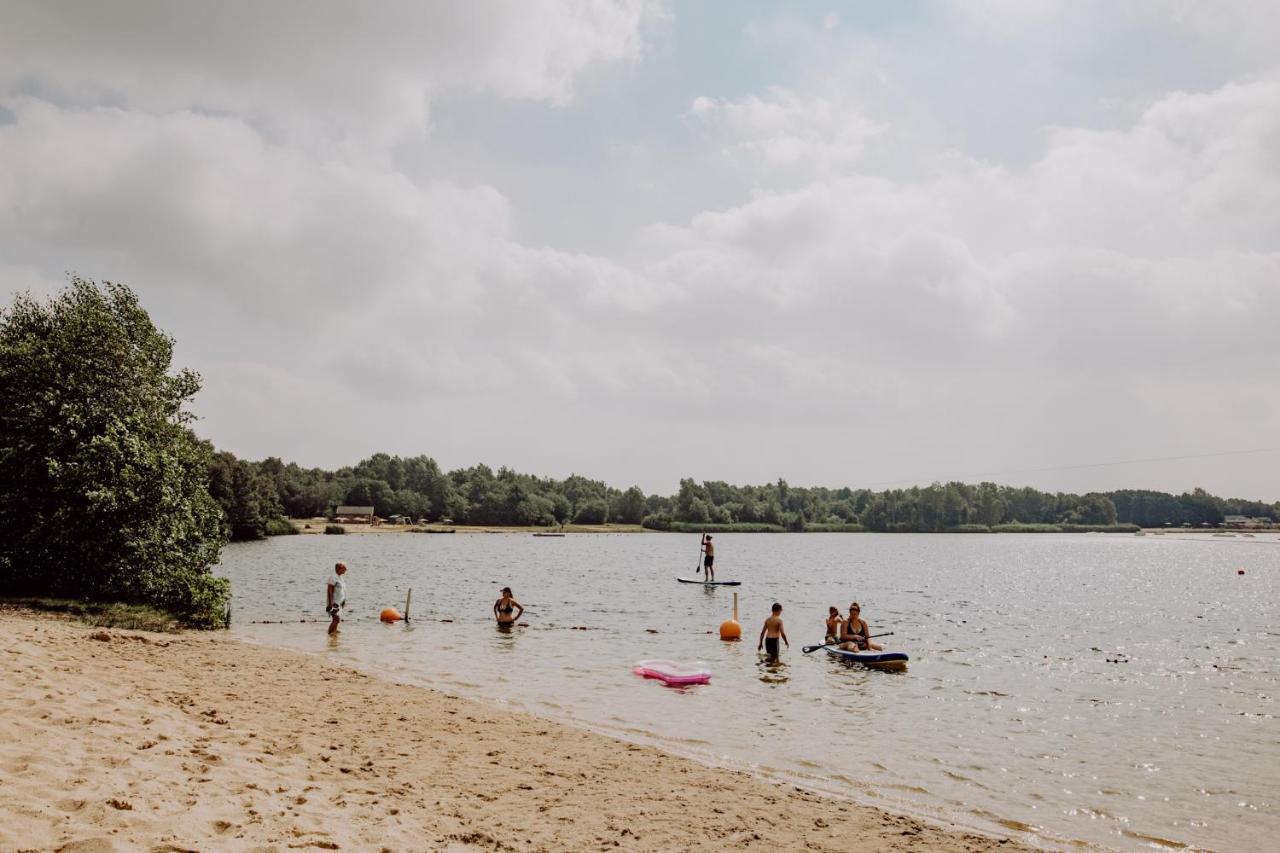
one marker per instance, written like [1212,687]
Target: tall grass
[138,617]
[280,527]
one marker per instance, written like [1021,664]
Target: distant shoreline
[310,526]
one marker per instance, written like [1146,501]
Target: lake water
[1116,690]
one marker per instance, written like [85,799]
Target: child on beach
[772,632]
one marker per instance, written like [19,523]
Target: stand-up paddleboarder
[709,556]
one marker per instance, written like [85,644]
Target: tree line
[417,488]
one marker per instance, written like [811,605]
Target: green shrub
[834,527]
[334,529]
[739,527]
[138,617]
[280,527]
[103,486]
[969,528]
[1018,527]
[657,521]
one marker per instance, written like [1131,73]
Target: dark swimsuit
[771,646]
[506,610]
[859,639]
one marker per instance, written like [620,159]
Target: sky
[862,244]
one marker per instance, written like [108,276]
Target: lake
[1111,689]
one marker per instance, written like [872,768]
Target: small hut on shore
[354,515]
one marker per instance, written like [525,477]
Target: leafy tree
[248,497]
[103,487]
[367,491]
[1093,508]
[592,511]
[631,506]
[1200,507]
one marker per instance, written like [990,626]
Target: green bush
[280,527]
[1099,528]
[334,529]
[137,617]
[969,528]
[834,527]
[1018,527]
[103,487]
[740,527]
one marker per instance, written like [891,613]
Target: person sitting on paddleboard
[709,560]
[856,634]
[503,606]
[833,625]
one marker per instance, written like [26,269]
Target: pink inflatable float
[673,673]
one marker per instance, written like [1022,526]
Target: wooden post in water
[407,599]
[735,607]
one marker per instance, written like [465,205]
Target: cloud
[876,301]
[788,130]
[1147,253]
[313,71]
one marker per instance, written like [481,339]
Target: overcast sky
[846,244]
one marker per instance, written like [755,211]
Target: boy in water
[771,632]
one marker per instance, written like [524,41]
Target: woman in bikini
[856,634]
[503,606]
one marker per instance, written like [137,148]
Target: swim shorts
[771,646]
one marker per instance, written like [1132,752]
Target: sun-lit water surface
[1113,689]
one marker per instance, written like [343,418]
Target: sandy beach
[123,740]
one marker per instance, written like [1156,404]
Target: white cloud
[359,77]
[789,131]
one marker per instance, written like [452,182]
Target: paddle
[702,546]
[808,649]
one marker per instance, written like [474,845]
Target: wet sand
[123,740]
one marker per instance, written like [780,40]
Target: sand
[124,740]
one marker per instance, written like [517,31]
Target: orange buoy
[729,628]
[390,614]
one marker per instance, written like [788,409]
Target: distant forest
[254,495]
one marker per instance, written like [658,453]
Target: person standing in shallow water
[336,595]
[709,558]
[771,632]
[503,607]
